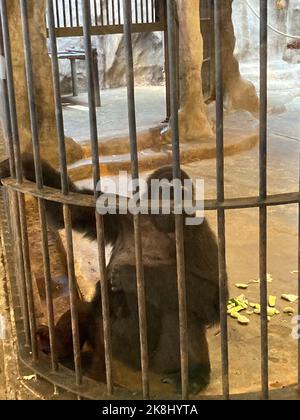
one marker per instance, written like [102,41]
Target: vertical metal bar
[263,194]
[96,177]
[28,277]
[127,11]
[299,277]
[65,190]
[39,179]
[11,92]
[101,12]
[57,14]
[119,12]
[147,11]
[31,94]
[48,283]
[21,269]
[74,76]
[220,196]
[73,293]
[142,11]
[95,11]
[96,78]
[113,12]
[136,11]
[71,13]
[167,75]
[178,218]
[57,99]
[107,12]
[18,166]
[153,10]
[64,13]
[6,116]
[77,13]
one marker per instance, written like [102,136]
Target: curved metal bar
[83,200]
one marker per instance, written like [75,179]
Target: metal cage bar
[299,280]
[221,196]
[96,177]
[15,147]
[178,218]
[263,195]
[127,10]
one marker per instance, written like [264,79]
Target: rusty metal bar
[57,99]
[48,283]
[39,180]
[6,116]
[17,163]
[127,10]
[221,196]
[83,200]
[263,194]
[65,191]
[73,293]
[167,75]
[26,261]
[31,94]
[28,277]
[96,177]
[178,218]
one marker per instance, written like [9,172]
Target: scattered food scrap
[290,298]
[30,378]
[257,281]
[236,306]
[272,301]
[289,311]
[243,320]
[242,286]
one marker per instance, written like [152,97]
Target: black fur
[159,257]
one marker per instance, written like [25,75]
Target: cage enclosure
[63,282]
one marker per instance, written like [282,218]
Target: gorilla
[161,292]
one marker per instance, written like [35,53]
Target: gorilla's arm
[83,218]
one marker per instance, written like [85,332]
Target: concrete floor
[112,117]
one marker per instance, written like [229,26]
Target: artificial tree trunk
[44,96]
[239,93]
[193,120]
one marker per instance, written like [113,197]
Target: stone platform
[241,133]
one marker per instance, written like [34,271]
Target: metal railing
[107,16]
[17,186]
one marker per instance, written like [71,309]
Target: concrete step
[241,133]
